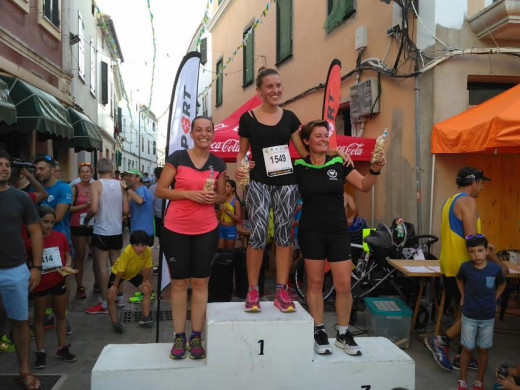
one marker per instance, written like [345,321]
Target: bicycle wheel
[300,281]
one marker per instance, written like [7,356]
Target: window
[479,92]
[220,81]
[148,146]
[104,83]
[111,100]
[337,12]
[93,63]
[248,73]
[142,144]
[343,124]
[154,148]
[204,51]
[51,11]
[81,48]
[205,105]
[283,30]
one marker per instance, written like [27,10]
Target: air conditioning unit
[363,99]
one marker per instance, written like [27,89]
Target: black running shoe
[64,354]
[346,342]
[321,343]
[41,360]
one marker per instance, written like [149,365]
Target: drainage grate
[135,316]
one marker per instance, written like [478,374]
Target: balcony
[501,20]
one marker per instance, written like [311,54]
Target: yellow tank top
[228,207]
[453,242]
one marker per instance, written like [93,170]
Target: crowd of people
[308,207]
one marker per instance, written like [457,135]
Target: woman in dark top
[323,230]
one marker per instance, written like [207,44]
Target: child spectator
[480,283]
[134,265]
[55,267]
[512,381]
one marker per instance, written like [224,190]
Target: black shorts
[137,280]
[59,289]
[189,256]
[319,246]
[452,290]
[81,231]
[106,243]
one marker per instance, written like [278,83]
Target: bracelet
[38,267]
[375,173]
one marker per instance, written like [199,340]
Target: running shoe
[119,327]
[321,343]
[178,350]
[283,302]
[48,321]
[440,352]
[253,301]
[6,345]
[97,309]
[473,363]
[146,322]
[41,360]
[81,293]
[461,385]
[196,348]
[138,297]
[64,354]
[346,342]
[119,301]
[478,385]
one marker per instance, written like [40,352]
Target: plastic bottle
[502,372]
[379,148]
[244,166]
[209,184]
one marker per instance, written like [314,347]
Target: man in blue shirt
[141,204]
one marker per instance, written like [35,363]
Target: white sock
[342,329]
[104,303]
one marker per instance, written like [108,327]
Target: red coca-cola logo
[228,146]
[353,149]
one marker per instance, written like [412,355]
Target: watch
[375,173]
[38,267]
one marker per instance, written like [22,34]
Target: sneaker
[346,342]
[478,385]
[178,350]
[321,343]
[41,360]
[97,309]
[119,301]
[68,332]
[461,385]
[138,297]
[440,352]
[473,363]
[119,327]
[48,322]
[253,302]
[81,293]
[196,348]
[64,354]
[146,322]
[6,345]
[283,302]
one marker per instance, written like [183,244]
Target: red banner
[331,100]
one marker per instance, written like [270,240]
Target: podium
[267,350]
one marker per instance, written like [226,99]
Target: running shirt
[54,248]
[321,188]
[77,217]
[228,206]
[60,193]
[142,214]
[453,243]
[130,263]
[108,220]
[185,216]
[263,136]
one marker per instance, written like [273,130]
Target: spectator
[230,214]
[22,179]
[117,174]
[17,209]
[109,203]
[512,381]
[141,204]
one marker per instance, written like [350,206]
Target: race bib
[82,217]
[51,259]
[277,160]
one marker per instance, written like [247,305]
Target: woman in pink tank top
[80,233]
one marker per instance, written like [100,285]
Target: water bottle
[400,228]
[501,372]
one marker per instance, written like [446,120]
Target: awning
[226,144]
[86,133]
[38,110]
[7,108]
[490,127]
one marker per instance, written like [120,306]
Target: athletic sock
[252,287]
[319,327]
[280,286]
[104,303]
[195,334]
[342,329]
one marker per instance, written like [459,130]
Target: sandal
[30,381]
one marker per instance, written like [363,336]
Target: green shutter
[249,54]
[283,29]
[220,82]
[341,10]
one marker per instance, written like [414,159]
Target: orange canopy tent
[490,127]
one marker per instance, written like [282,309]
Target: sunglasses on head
[48,158]
[473,236]
[85,164]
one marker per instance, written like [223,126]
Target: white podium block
[267,350]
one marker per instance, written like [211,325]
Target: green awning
[86,133]
[7,108]
[38,110]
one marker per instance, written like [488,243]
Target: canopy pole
[418,151]
[430,229]
[372,206]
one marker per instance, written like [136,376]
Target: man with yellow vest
[459,219]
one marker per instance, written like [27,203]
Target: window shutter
[249,52]
[283,29]
[104,83]
[220,82]
[204,51]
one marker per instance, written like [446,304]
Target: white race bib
[82,217]
[51,259]
[277,160]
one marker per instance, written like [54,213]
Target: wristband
[38,267]
[375,173]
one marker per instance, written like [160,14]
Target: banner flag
[331,100]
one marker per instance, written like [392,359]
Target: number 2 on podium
[261,342]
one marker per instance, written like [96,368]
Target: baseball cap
[468,175]
[135,172]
